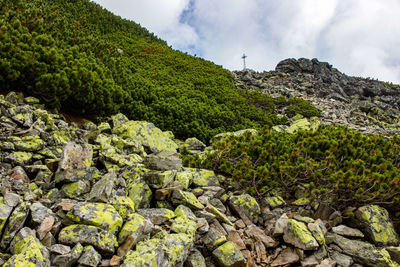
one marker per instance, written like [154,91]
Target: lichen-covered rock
[39,212]
[137,227]
[297,234]
[146,134]
[219,215]
[5,212]
[101,215]
[124,205]
[171,250]
[187,199]
[15,223]
[213,239]
[203,177]
[317,232]
[73,175]
[157,216]
[227,255]
[377,225]
[27,252]
[185,178]
[88,235]
[184,211]
[138,190]
[363,252]
[183,224]
[68,259]
[29,143]
[195,259]
[159,179]
[163,160]
[74,190]
[90,257]
[245,204]
[101,190]
[394,253]
[222,136]
[19,158]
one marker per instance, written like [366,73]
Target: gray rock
[76,157]
[15,223]
[39,212]
[69,259]
[297,234]
[157,216]
[101,190]
[227,255]
[344,230]
[90,257]
[195,259]
[363,252]
[11,199]
[60,249]
[342,259]
[163,160]
[377,225]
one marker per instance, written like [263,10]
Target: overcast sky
[359,37]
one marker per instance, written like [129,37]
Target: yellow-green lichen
[378,223]
[135,223]
[183,225]
[297,234]
[98,214]
[124,205]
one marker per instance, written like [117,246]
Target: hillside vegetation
[79,57]
[334,164]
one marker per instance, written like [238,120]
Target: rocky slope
[369,106]
[116,194]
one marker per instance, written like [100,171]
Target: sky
[358,37]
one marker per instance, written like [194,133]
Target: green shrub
[336,163]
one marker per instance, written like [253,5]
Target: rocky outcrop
[367,105]
[99,195]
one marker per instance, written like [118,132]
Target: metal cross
[244,61]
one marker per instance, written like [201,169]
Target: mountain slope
[79,57]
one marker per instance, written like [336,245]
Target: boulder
[363,252]
[227,255]
[15,222]
[286,257]
[195,259]
[101,239]
[245,204]
[157,216]
[90,257]
[146,134]
[101,215]
[163,160]
[297,234]
[377,225]
[187,199]
[171,250]
[344,230]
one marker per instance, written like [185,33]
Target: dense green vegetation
[77,56]
[337,164]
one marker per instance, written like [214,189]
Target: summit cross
[244,61]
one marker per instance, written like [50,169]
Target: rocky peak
[368,105]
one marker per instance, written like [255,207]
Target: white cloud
[358,37]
